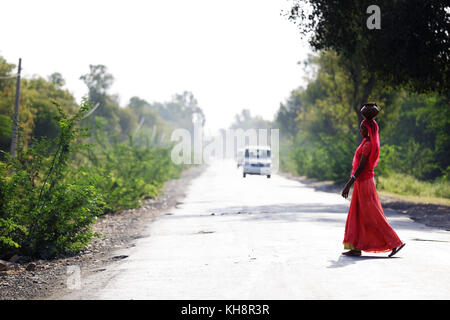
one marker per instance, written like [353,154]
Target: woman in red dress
[366,228]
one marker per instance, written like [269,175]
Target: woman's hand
[347,187]
[345,191]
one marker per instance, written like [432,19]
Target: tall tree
[7,95]
[245,120]
[98,81]
[108,114]
[57,79]
[411,48]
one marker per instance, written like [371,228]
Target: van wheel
[268,176]
[243,175]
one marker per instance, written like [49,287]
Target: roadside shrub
[324,158]
[54,190]
[44,210]
[126,172]
[411,159]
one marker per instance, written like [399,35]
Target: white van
[257,160]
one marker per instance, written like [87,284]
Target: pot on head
[369,110]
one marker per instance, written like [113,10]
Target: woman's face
[363,130]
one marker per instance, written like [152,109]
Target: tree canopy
[411,48]
[39,97]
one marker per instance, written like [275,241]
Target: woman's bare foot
[354,253]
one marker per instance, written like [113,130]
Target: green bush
[411,159]
[125,173]
[44,210]
[54,190]
[324,158]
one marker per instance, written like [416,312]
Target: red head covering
[374,154]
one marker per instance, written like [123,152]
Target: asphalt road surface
[260,238]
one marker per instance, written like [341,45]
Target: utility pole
[15,128]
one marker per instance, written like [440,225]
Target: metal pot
[369,110]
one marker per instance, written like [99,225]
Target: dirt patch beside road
[432,215]
[118,229]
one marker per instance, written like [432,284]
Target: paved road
[259,238]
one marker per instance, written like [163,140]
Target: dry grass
[410,189]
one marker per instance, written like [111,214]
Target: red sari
[366,228]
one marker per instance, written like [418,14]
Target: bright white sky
[232,54]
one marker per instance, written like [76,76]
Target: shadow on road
[344,261]
[280,208]
[290,212]
[293,212]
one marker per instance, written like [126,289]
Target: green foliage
[410,48]
[66,192]
[324,157]
[410,158]
[118,121]
[127,173]
[5,132]
[37,107]
[44,211]
[181,111]
[419,135]
[56,187]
